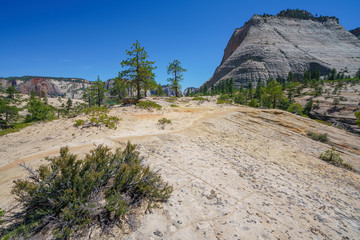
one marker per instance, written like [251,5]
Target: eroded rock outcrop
[272,46]
[65,87]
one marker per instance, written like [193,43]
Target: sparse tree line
[135,81]
[302,14]
[280,92]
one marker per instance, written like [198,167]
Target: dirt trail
[237,172]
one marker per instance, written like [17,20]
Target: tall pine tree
[138,67]
[176,70]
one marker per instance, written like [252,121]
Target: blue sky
[88,38]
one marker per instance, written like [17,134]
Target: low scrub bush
[1,215]
[106,120]
[357,115]
[174,105]
[224,97]
[95,110]
[99,120]
[323,122]
[199,99]
[148,105]
[224,102]
[333,158]
[164,121]
[318,137]
[16,128]
[71,196]
[79,122]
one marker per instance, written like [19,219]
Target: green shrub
[240,98]
[39,111]
[1,215]
[323,122]
[199,99]
[224,97]
[79,122]
[16,128]
[295,108]
[70,196]
[148,105]
[95,110]
[164,121]
[318,137]
[174,105]
[253,103]
[99,120]
[333,158]
[224,102]
[357,115]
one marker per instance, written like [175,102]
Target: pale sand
[237,172]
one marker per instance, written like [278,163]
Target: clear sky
[78,38]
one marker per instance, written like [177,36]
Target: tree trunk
[176,87]
[138,88]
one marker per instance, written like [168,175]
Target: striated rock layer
[272,46]
[65,87]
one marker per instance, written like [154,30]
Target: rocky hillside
[53,86]
[272,46]
[237,172]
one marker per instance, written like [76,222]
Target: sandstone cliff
[271,46]
[65,87]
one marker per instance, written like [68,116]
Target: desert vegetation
[71,197]
[334,158]
[318,137]
[148,105]
[282,93]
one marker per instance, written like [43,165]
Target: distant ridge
[53,86]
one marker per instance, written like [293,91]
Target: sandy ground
[237,172]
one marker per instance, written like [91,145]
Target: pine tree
[290,77]
[138,67]
[98,91]
[149,82]
[250,89]
[44,97]
[11,91]
[307,77]
[68,105]
[160,91]
[231,86]
[273,93]
[38,111]
[88,96]
[176,70]
[119,88]
[308,107]
[316,75]
[332,74]
[8,114]
[357,74]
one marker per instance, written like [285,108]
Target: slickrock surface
[237,172]
[272,46]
